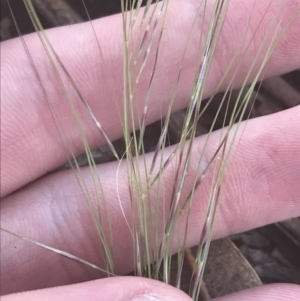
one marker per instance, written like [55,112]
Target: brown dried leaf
[227,270]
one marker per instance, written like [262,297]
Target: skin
[51,209]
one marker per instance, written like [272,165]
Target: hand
[50,209]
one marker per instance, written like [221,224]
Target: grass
[155,220]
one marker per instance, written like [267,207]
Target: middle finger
[265,164]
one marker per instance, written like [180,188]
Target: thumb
[109,289]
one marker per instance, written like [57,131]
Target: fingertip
[270,292]
[109,289]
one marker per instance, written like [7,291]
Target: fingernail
[144,298]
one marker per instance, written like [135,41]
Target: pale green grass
[143,30]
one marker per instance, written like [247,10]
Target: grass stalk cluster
[158,222]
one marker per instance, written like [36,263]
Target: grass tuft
[158,225]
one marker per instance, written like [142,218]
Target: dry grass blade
[59,252]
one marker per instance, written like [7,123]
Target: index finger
[30,143]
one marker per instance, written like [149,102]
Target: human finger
[30,143]
[271,292]
[109,289]
[261,187]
